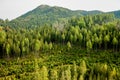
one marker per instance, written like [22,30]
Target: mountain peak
[43,6]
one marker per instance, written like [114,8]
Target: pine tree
[83,70]
[68,45]
[53,75]
[106,40]
[83,67]
[68,73]
[44,73]
[7,49]
[2,37]
[74,71]
[115,42]
[112,74]
[89,45]
[62,75]
[37,75]
[50,45]
[80,37]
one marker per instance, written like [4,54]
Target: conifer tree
[74,77]
[53,75]
[89,45]
[68,45]
[44,73]
[115,42]
[68,73]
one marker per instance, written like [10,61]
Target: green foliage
[107,38]
[25,41]
[44,73]
[8,49]
[50,45]
[53,75]
[115,41]
[89,45]
[2,37]
[68,73]
[37,45]
[47,32]
[37,74]
[74,77]
[46,14]
[68,45]
[49,66]
[83,67]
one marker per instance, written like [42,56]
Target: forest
[78,47]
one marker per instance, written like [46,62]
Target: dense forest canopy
[92,32]
[62,43]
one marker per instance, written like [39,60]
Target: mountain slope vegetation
[54,43]
[45,14]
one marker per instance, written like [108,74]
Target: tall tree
[106,40]
[68,45]
[37,46]
[8,49]
[80,38]
[68,73]
[115,43]
[89,45]
[44,73]
[2,36]
[53,75]
[74,73]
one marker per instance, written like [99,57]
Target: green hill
[116,13]
[45,14]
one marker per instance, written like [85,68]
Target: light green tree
[83,67]
[46,46]
[37,74]
[74,74]
[62,76]
[68,45]
[22,47]
[63,38]
[89,45]
[100,41]
[83,70]
[80,37]
[37,45]
[7,49]
[106,40]
[71,38]
[50,45]
[96,40]
[68,73]
[2,37]
[53,75]
[44,73]
[115,42]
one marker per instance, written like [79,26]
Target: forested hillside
[45,14]
[116,13]
[69,45]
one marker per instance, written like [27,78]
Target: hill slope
[45,14]
[116,13]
